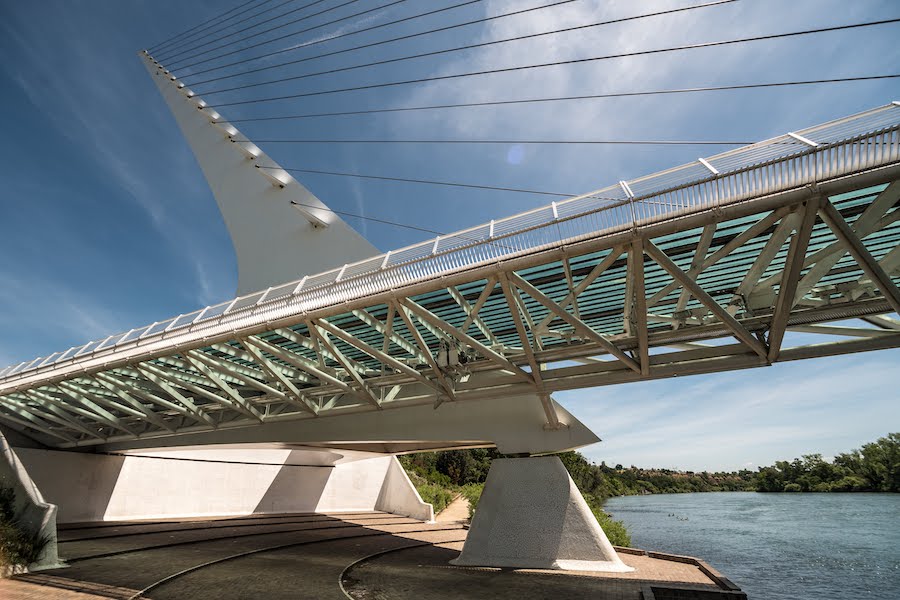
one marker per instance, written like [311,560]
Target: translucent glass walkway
[702,268]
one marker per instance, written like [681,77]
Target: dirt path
[457,511]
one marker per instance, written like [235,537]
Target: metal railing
[856,143]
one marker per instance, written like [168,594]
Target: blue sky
[108,223]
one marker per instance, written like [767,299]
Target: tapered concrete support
[532,516]
[35,514]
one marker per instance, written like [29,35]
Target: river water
[778,546]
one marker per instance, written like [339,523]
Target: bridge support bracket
[532,516]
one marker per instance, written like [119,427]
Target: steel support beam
[580,326]
[467,339]
[863,257]
[672,269]
[790,278]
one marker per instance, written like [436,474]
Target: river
[778,546]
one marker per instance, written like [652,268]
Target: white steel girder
[715,281]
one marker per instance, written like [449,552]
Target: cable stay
[466,47]
[570,98]
[249,27]
[423,181]
[354,32]
[263,32]
[179,48]
[199,27]
[560,63]
[512,142]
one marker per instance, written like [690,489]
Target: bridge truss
[703,268]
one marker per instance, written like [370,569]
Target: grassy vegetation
[18,547]
[437,495]
[472,493]
[440,476]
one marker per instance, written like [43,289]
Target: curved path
[360,556]
[263,556]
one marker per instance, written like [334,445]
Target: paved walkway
[310,556]
[455,512]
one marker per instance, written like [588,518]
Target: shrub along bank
[440,476]
[18,547]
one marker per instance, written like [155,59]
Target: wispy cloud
[87,106]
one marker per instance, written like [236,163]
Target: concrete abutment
[531,515]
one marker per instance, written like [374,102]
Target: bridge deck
[686,271]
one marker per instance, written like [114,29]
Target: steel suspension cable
[220,27]
[356,32]
[249,27]
[168,41]
[570,98]
[421,181]
[561,62]
[178,49]
[332,22]
[367,218]
[511,142]
[263,32]
[469,47]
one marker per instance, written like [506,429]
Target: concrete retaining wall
[94,487]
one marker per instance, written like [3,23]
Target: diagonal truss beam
[740,332]
[305,364]
[883,322]
[429,357]
[133,388]
[170,388]
[364,391]
[706,238]
[472,312]
[79,389]
[579,325]
[486,292]
[763,260]
[149,414]
[791,278]
[863,257]
[822,261]
[504,363]
[385,358]
[597,271]
[295,396]
[165,378]
[216,370]
[50,412]
[322,353]
[98,413]
[27,420]
[527,345]
[242,354]
[387,330]
[752,232]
